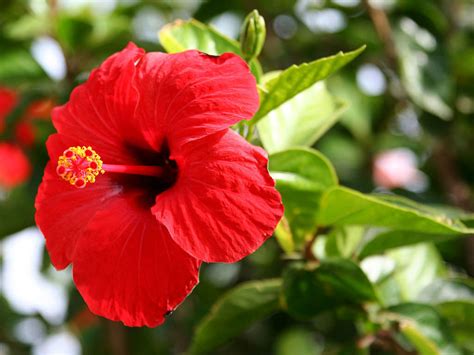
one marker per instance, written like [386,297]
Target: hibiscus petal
[224,204]
[100,112]
[189,95]
[128,268]
[62,210]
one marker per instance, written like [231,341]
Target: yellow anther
[79,166]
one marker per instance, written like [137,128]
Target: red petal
[189,95]
[100,113]
[127,267]
[224,204]
[15,168]
[63,211]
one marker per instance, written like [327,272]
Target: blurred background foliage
[404,111]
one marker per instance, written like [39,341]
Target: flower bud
[252,35]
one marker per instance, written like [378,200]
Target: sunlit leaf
[301,174]
[298,78]
[301,120]
[343,206]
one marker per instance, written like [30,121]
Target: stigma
[79,166]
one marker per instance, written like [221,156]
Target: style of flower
[146,180]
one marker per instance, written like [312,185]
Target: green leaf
[73,32]
[348,279]
[18,66]
[425,329]
[343,241]
[424,76]
[308,291]
[394,239]
[234,312]
[447,290]
[301,120]
[454,300]
[297,341]
[192,34]
[28,27]
[301,175]
[421,343]
[296,79]
[16,210]
[343,206]
[304,294]
[415,268]
[460,319]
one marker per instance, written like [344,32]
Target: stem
[384,32]
[250,131]
[156,171]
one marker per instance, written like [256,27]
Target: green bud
[252,35]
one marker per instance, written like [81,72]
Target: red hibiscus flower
[15,168]
[146,180]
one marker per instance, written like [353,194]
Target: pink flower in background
[398,168]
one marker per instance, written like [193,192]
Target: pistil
[145,170]
[81,165]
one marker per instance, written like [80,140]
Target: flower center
[81,165]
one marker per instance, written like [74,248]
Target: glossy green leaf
[301,120]
[236,311]
[301,175]
[192,34]
[348,279]
[343,206]
[308,291]
[303,293]
[298,78]
[394,239]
